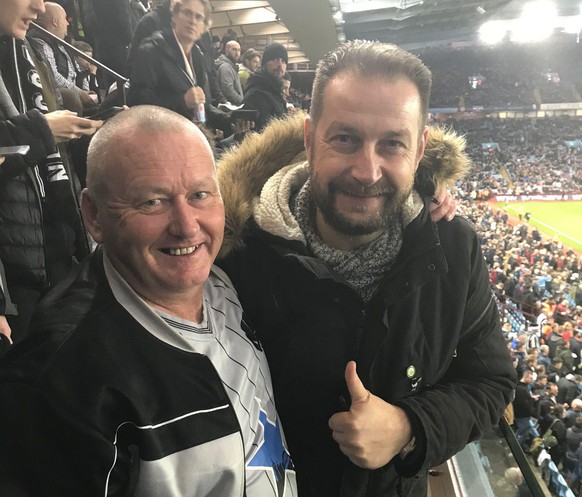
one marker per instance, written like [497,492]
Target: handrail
[516,302]
[121,80]
[521,460]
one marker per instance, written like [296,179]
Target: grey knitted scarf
[364,267]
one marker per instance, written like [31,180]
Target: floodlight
[492,32]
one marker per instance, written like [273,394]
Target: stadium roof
[310,28]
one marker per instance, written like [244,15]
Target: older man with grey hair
[142,377]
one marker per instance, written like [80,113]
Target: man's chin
[355,225]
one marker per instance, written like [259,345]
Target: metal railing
[121,80]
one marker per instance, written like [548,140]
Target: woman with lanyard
[169,68]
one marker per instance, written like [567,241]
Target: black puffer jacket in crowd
[36,240]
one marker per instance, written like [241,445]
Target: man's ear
[90,213]
[421,146]
[307,136]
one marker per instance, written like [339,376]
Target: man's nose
[184,221]
[367,167]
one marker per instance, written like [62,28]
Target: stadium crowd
[536,278]
[525,156]
[507,75]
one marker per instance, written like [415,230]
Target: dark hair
[82,45]
[249,55]
[369,59]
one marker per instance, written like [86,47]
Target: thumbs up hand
[373,431]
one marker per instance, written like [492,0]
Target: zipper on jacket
[360,328]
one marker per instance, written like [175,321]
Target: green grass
[552,218]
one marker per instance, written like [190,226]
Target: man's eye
[152,202]
[390,146]
[345,144]
[344,139]
[200,195]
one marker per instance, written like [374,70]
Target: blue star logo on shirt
[272,452]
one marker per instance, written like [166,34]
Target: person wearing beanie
[264,91]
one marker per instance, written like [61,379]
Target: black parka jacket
[159,77]
[428,342]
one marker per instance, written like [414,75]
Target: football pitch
[563,219]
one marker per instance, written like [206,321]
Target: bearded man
[339,265]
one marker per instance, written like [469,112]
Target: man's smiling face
[162,219]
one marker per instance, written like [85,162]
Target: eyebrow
[346,128]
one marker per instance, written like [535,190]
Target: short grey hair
[142,118]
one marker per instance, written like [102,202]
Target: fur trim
[244,170]
[444,162]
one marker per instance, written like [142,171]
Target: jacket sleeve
[57,438]
[25,129]
[477,386]
[258,101]
[145,28]
[228,85]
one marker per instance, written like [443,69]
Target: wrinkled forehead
[157,149]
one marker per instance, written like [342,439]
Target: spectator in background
[563,351]
[40,230]
[113,35]
[524,408]
[251,61]
[287,90]
[157,19]
[573,440]
[88,72]
[226,67]
[540,385]
[215,47]
[62,64]
[554,339]
[576,345]
[558,430]
[568,388]
[162,75]
[264,91]
[514,477]
[205,45]
[547,403]
[575,411]
[561,313]
[555,370]
[544,357]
